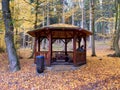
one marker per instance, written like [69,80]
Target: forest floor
[100,73]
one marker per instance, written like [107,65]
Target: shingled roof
[59,31]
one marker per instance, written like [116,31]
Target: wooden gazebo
[64,32]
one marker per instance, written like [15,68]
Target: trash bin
[40,64]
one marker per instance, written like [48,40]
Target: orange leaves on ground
[96,74]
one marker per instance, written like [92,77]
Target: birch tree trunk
[93,28]
[82,25]
[44,40]
[73,14]
[81,4]
[48,20]
[63,12]
[90,39]
[9,36]
[43,23]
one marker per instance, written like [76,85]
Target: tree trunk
[117,27]
[48,17]
[73,14]
[63,13]
[81,4]
[113,41]
[35,26]
[117,49]
[43,24]
[9,36]
[92,28]
[36,15]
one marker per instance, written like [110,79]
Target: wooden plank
[81,58]
[85,48]
[38,44]
[35,49]
[48,63]
[81,55]
[74,49]
[79,42]
[65,46]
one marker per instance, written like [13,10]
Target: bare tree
[117,28]
[9,36]
[81,4]
[48,17]
[90,39]
[92,27]
[35,25]
[63,12]
[73,14]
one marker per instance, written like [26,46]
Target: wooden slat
[74,49]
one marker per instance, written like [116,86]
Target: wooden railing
[81,58]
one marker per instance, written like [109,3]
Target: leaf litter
[97,74]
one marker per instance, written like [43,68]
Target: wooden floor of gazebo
[61,62]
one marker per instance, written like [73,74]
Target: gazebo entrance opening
[62,51]
[65,33]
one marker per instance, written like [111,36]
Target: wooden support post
[50,50]
[85,48]
[35,49]
[66,46]
[39,45]
[79,42]
[74,49]
[85,43]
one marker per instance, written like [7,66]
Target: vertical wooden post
[50,50]
[85,44]
[35,49]
[79,42]
[65,46]
[74,49]
[39,45]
